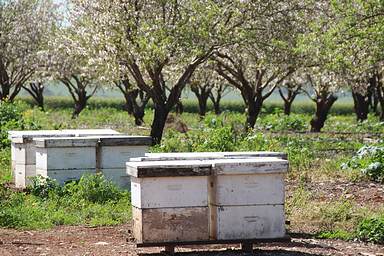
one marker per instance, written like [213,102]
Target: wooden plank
[207,155]
[170,172]
[250,222]
[179,156]
[24,153]
[250,166]
[249,154]
[98,157]
[117,156]
[169,192]
[212,206]
[23,173]
[27,136]
[126,141]
[65,142]
[66,158]
[137,224]
[19,178]
[168,168]
[250,189]
[172,224]
[91,141]
[13,166]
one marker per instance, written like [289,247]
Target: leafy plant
[280,122]
[370,161]
[42,187]
[372,230]
[93,188]
[11,118]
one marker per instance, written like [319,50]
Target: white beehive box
[68,158]
[23,151]
[248,198]
[169,200]
[244,198]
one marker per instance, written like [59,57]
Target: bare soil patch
[78,240]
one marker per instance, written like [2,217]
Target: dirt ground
[68,240]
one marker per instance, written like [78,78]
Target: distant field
[57,89]
[301,105]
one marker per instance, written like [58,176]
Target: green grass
[92,201]
[5,165]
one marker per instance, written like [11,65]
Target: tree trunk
[216,107]
[288,100]
[139,116]
[78,108]
[7,94]
[202,95]
[323,105]
[36,90]
[216,99]
[361,106]
[4,82]
[139,107]
[4,92]
[375,103]
[135,100]
[202,106]
[158,123]
[179,108]
[80,102]
[380,97]
[253,111]
[287,107]
[128,103]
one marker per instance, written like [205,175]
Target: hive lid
[207,155]
[177,156]
[260,165]
[25,136]
[92,141]
[20,136]
[254,154]
[125,140]
[60,142]
[169,168]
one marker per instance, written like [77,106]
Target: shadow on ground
[256,252]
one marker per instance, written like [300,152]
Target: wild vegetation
[346,155]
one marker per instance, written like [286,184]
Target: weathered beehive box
[248,198]
[218,199]
[68,158]
[23,151]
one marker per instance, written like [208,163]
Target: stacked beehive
[207,197]
[68,158]
[23,150]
